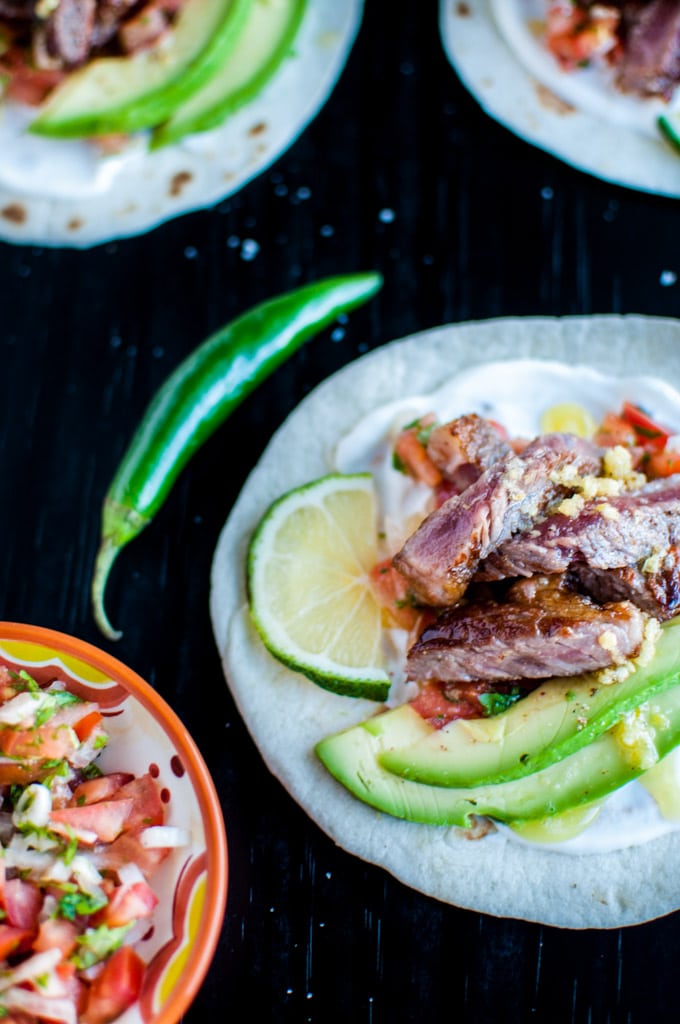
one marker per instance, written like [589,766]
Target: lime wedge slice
[310,596]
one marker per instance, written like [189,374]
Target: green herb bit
[92,771]
[96,944]
[79,904]
[23,681]
[55,700]
[398,463]
[494,703]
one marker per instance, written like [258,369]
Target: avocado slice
[265,42]
[126,94]
[550,723]
[591,773]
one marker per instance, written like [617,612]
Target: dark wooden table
[483,225]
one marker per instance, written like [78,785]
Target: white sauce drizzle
[631,815]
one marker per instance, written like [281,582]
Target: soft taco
[118,116]
[597,85]
[610,859]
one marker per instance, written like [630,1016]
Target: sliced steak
[606,534]
[540,630]
[69,31]
[650,61]
[440,558]
[654,590]
[465,447]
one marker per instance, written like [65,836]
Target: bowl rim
[203,951]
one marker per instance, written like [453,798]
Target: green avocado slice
[127,94]
[552,722]
[593,772]
[265,42]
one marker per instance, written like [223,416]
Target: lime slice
[310,596]
[568,418]
[669,126]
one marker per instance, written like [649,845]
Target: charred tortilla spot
[463,10]
[75,224]
[550,101]
[258,129]
[179,181]
[15,213]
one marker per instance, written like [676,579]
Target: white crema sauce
[516,394]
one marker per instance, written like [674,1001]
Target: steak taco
[449,620]
[119,115]
[597,85]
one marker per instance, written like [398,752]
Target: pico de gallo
[78,849]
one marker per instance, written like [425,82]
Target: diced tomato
[23,901]
[127,903]
[411,454]
[391,590]
[648,432]
[127,849]
[432,705]
[575,35]
[13,939]
[47,741]
[56,933]
[116,988]
[147,805]
[662,463]
[91,791]
[86,725]
[107,819]
[614,430]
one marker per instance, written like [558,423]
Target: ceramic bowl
[145,735]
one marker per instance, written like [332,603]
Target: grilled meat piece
[465,447]
[69,30]
[539,630]
[606,534]
[654,590]
[440,558]
[650,61]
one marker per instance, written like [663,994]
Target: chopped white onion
[129,874]
[33,806]
[157,836]
[61,1010]
[23,708]
[87,876]
[34,967]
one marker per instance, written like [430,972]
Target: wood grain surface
[403,172]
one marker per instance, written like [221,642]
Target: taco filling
[43,41]
[639,39]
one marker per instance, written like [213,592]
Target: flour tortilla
[287,715]
[579,116]
[55,193]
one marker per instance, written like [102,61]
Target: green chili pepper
[199,395]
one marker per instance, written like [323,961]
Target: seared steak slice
[656,591]
[69,30]
[605,534]
[539,630]
[440,558]
[465,447]
[650,62]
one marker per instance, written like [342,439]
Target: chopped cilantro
[96,943]
[92,771]
[494,703]
[398,463]
[23,681]
[79,904]
[53,702]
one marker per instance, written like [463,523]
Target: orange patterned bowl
[145,735]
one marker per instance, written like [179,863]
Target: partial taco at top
[518,719]
[595,84]
[119,115]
